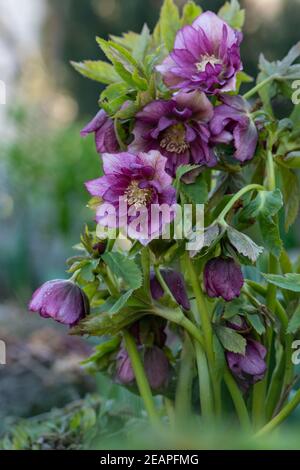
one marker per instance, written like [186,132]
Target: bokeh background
[44,163]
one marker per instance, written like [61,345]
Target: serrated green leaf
[233,14]
[289,281]
[115,52]
[244,245]
[113,97]
[97,70]
[191,11]
[196,192]
[294,323]
[231,340]
[124,268]
[169,23]
[256,322]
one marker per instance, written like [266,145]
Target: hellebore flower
[232,123]
[223,278]
[251,367]
[135,187]
[156,367]
[61,300]
[176,284]
[103,127]
[206,57]
[178,129]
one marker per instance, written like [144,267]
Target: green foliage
[244,245]
[231,340]
[289,281]
[191,11]
[97,70]
[168,25]
[291,195]
[233,14]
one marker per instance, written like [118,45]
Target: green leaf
[124,268]
[103,349]
[113,97]
[244,245]
[137,44]
[233,14]
[169,23]
[237,307]
[117,53]
[97,70]
[290,281]
[291,195]
[256,323]
[196,192]
[183,170]
[294,323]
[191,11]
[231,340]
[263,208]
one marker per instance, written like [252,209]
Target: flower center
[207,59]
[136,196]
[173,139]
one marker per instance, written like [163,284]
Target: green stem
[204,382]
[235,198]
[238,400]
[164,285]
[141,378]
[185,381]
[284,413]
[275,386]
[260,85]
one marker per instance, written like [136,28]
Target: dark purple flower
[124,374]
[251,367]
[223,278]
[103,127]
[156,367]
[232,123]
[134,186]
[176,284]
[206,57]
[178,129]
[61,300]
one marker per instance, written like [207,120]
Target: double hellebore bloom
[251,367]
[61,300]
[178,129]
[133,190]
[232,123]
[103,128]
[206,56]
[175,283]
[223,278]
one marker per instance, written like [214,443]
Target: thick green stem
[284,413]
[204,382]
[234,199]
[141,378]
[238,400]
[260,85]
[185,381]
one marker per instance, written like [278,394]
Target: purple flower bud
[125,374]
[156,367]
[176,284]
[61,300]
[223,278]
[103,127]
[232,123]
[251,367]
[100,247]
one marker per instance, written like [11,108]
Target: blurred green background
[44,162]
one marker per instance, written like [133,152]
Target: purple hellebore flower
[223,278]
[61,300]
[251,367]
[178,129]
[103,127]
[156,367]
[206,56]
[135,187]
[176,284]
[232,123]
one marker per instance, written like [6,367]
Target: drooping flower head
[135,186]
[61,300]
[178,129]
[251,367]
[103,128]
[232,123]
[223,277]
[206,56]
[176,284]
